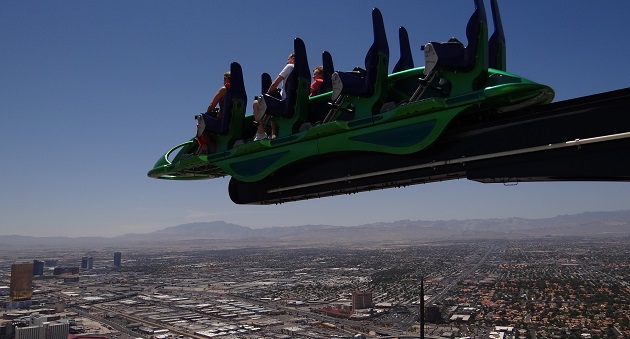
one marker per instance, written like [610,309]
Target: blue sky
[93,92]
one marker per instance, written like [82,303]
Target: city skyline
[568,287]
[92,94]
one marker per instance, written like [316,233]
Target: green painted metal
[404,129]
[384,122]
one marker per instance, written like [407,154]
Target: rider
[284,74]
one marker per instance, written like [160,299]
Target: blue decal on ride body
[256,166]
[403,136]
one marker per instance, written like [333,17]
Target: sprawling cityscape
[549,287]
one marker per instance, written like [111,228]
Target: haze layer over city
[565,277]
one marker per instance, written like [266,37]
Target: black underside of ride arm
[481,148]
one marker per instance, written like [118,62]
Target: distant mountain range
[219,234]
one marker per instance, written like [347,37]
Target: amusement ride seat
[290,111]
[452,54]
[368,83]
[466,66]
[360,82]
[220,125]
[228,127]
[406,58]
[318,107]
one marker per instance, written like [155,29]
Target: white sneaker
[337,86]
[273,136]
[260,136]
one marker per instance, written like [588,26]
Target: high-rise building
[6,330]
[117,259]
[362,299]
[57,330]
[38,267]
[21,282]
[87,263]
[30,332]
[47,330]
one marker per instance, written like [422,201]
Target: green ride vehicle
[364,110]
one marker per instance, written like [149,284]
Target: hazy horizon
[306,224]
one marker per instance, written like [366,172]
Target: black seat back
[496,44]
[476,23]
[300,71]
[265,82]
[329,68]
[237,87]
[378,50]
[406,58]
[233,103]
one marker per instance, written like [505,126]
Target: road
[404,325]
